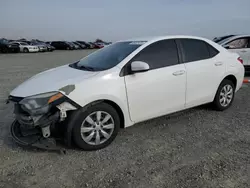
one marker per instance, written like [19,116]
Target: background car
[99,45]
[24,47]
[49,47]
[218,39]
[75,46]
[239,44]
[88,45]
[6,47]
[92,45]
[82,46]
[41,47]
[61,45]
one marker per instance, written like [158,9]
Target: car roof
[237,36]
[149,40]
[156,38]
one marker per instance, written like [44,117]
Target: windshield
[23,43]
[4,41]
[224,40]
[221,40]
[36,43]
[107,57]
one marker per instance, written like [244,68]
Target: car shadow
[62,148]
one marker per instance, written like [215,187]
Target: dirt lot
[194,148]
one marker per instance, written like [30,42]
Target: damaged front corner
[64,107]
[67,89]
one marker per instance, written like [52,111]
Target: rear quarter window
[212,51]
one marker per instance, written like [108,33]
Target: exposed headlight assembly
[39,104]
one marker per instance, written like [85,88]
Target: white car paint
[146,95]
[243,52]
[23,46]
[154,103]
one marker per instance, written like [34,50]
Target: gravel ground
[194,148]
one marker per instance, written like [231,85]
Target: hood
[51,80]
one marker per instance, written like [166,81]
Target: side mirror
[139,66]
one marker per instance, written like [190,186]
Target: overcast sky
[121,19]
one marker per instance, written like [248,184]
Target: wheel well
[118,109]
[115,106]
[231,78]
[68,137]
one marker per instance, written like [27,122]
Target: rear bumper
[50,49]
[42,49]
[239,77]
[33,50]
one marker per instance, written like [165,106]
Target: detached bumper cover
[27,136]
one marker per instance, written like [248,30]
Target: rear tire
[224,96]
[94,132]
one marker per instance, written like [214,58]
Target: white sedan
[24,47]
[122,84]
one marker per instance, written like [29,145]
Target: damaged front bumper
[40,131]
[26,136]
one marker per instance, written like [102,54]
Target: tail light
[240,60]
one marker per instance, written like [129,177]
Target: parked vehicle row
[25,46]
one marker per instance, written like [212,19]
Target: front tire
[25,50]
[96,126]
[224,96]
[5,50]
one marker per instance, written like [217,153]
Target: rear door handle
[243,51]
[178,73]
[218,63]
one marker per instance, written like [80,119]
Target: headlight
[39,104]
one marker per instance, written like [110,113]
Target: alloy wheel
[226,95]
[97,128]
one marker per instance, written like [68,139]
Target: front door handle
[218,63]
[178,73]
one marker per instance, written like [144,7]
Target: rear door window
[194,50]
[212,51]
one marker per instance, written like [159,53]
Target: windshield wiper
[86,68]
[82,67]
